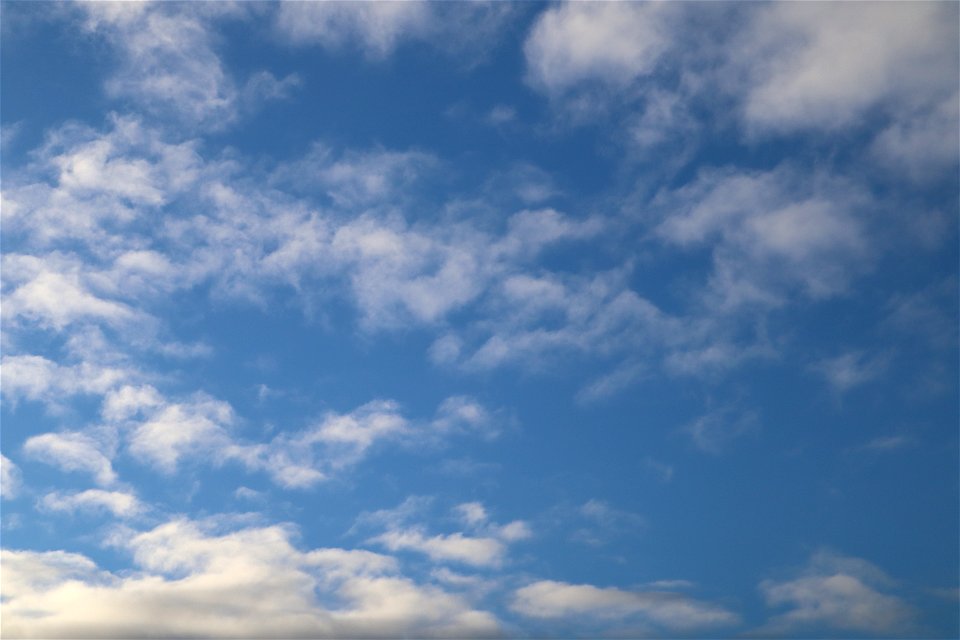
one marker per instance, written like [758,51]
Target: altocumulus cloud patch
[479,320]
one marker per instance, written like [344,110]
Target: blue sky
[448,319]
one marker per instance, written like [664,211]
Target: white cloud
[660,470]
[851,369]
[463,414]
[193,428]
[475,551]
[166,63]
[36,378]
[604,521]
[612,42]
[826,65]
[192,581]
[55,299]
[355,178]
[531,320]
[671,611]
[715,430]
[75,451]
[487,548]
[886,444]
[10,478]
[472,513]
[837,593]
[118,503]
[86,185]
[129,401]
[771,233]
[379,28]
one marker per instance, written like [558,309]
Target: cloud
[837,593]
[84,184]
[886,444]
[10,478]
[194,581]
[376,26]
[826,66]
[475,551]
[772,234]
[922,145]
[852,369]
[54,299]
[129,401]
[613,43]
[166,63]
[486,548]
[357,178]
[193,428]
[377,29]
[75,451]
[714,431]
[119,503]
[37,378]
[670,611]
[604,521]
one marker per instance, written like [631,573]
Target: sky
[480,320]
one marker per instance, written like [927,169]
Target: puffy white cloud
[825,66]
[475,551]
[128,401]
[193,428]
[837,593]
[37,378]
[10,478]
[472,513]
[76,451]
[463,414]
[84,184]
[670,611]
[612,42]
[167,63]
[193,581]
[119,503]
[771,233]
[487,547]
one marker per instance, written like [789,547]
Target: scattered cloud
[76,451]
[378,29]
[118,503]
[185,569]
[486,548]
[849,370]
[605,522]
[837,593]
[10,478]
[826,67]
[887,444]
[612,43]
[579,602]
[715,430]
